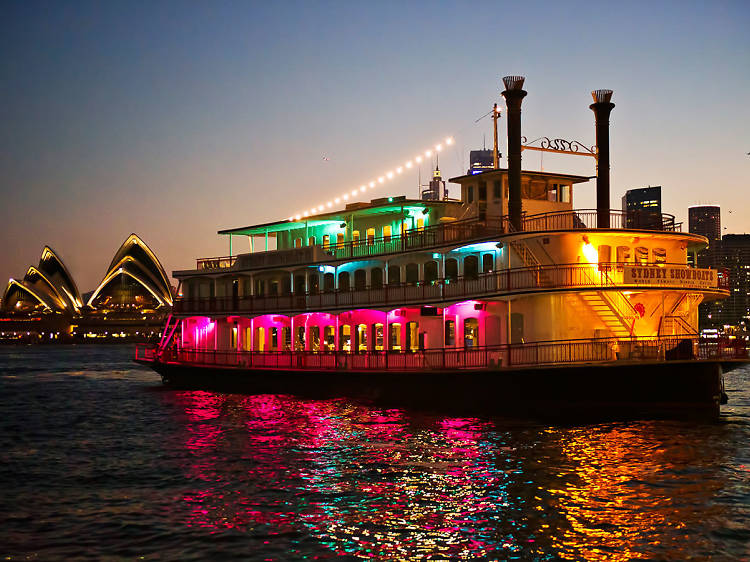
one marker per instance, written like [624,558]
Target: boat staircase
[676,321]
[169,329]
[613,308]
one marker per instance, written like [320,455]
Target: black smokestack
[514,95]
[602,107]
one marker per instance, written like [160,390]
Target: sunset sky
[176,119]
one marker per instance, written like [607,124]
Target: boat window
[623,254]
[394,275]
[328,282]
[273,287]
[233,337]
[469,193]
[605,253]
[387,233]
[299,338]
[360,279]
[286,338]
[377,331]
[260,339]
[330,338]
[412,274]
[247,339]
[376,278]
[516,327]
[345,337]
[482,192]
[299,284]
[326,240]
[450,333]
[496,189]
[370,236]
[361,338]
[355,237]
[412,336]
[420,225]
[298,242]
[314,338]
[273,338]
[311,241]
[488,263]
[641,255]
[430,272]
[313,282]
[394,337]
[451,269]
[344,281]
[660,255]
[471,332]
[404,228]
[340,239]
[471,267]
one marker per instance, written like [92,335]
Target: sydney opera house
[130,302]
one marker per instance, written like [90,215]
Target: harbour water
[99,461]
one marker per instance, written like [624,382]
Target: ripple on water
[99,461]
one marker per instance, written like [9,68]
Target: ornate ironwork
[560,146]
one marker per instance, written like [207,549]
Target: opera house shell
[135,281]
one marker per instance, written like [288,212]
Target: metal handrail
[544,277]
[525,354]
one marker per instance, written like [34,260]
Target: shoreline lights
[371,184]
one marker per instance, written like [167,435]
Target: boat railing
[632,349]
[440,235]
[603,276]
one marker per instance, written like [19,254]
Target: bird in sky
[326,159]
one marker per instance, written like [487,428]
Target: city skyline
[175,122]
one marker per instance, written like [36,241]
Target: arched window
[412,274]
[345,337]
[326,240]
[314,338]
[488,263]
[311,241]
[298,242]
[387,233]
[377,334]
[360,279]
[328,282]
[451,269]
[329,340]
[340,239]
[471,332]
[361,337]
[370,236]
[394,337]
[299,284]
[471,267]
[660,255]
[430,272]
[641,255]
[286,285]
[355,237]
[394,275]
[376,278]
[344,281]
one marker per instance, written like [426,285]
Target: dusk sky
[176,119]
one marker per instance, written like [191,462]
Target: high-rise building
[706,221]
[436,189]
[731,256]
[642,208]
[480,161]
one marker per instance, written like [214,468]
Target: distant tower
[642,208]
[436,187]
[706,221]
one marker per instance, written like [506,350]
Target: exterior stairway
[604,309]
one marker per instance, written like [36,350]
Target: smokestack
[514,94]
[602,107]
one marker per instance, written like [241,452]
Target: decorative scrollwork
[559,145]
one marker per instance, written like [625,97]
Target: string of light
[389,175]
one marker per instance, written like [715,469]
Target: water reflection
[360,481]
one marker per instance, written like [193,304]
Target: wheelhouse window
[469,193]
[482,191]
[497,189]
